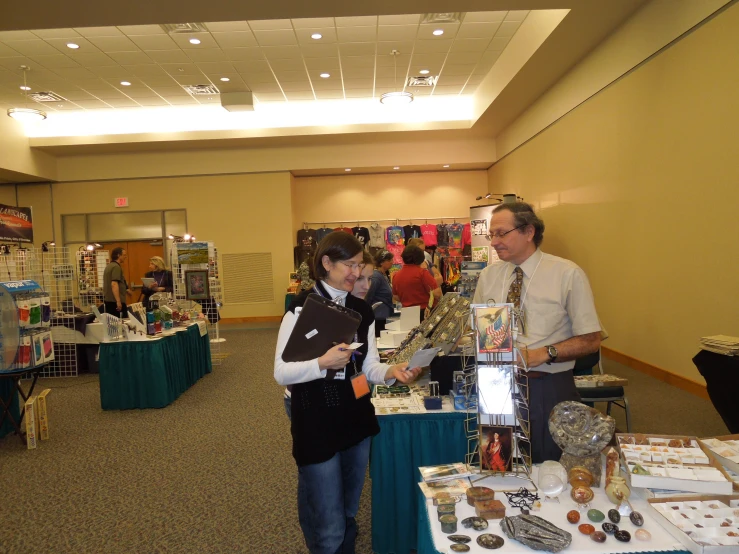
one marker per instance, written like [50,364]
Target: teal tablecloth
[152,374]
[7,388]
[405,443]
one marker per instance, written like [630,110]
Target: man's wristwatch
[552,351]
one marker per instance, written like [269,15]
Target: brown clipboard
[321,324]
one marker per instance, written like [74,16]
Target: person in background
[435,273]
[380,291]
[413,284]
[363,282]
[330,425]
[162,279]
[115,287]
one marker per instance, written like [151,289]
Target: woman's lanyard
[161,278]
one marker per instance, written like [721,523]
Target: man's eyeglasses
[353,267]
[500,235]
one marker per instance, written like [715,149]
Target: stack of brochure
[443,472]
[721,344]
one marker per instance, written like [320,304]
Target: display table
[431,540]
[152,374]
[405,443]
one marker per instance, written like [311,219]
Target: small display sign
[121,202]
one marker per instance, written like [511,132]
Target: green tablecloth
[152,374]
[7,388]
[405,443]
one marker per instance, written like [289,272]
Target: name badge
[360,385]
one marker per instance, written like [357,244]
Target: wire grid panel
[90,268]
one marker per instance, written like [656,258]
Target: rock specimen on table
[536,533]
[477,523]
[490,541]
[479,494]
[582,433]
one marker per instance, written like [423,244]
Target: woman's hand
[336,358]
[399,372]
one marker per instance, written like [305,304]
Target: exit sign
[121,202]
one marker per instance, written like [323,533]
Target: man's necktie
[514,292]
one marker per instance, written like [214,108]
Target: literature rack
[497,397]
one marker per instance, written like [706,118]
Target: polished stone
[623,536]
[573,516]
[614,516]
[643,535]
[586,529]
[598,536]
[490,541]
[637,519]
[477,523]
[596,515]
[610,528]
[459,538]
[582,495]
[459,548]
[536,533]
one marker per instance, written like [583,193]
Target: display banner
[16,224]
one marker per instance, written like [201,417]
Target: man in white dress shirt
[560,323]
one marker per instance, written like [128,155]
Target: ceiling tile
[7,51]
[121,102]
[264,87]
[281,52]
[361,21]
[330,94]
[146,70]
[91,104]
[235,39]
[392,61]
[484,17]
[114,44]
[35,47]
[432,46]
[323,64]
[252,67]
[65,106]
[296,86]
[235,54]
[447,90]
[234,85]
[181,68]
[313,23]
[74,73]
[111,72]
[99,31]
[75,95]
[186,100]
[499,43]
[474,80]
[358,61]
[482,69]
[405,19]
[270,97]
[225,26]
[516,15]
[152,101]
[137,90]
[358,48]
[270,24]
[386,48]
[477,30]
[447,80]
[14,62]
[141,30]
[93,59]
[220,68]
[56,61]
[426,31]
[284,37]
[396,32]
[155,80]
[320,50]
[56,33]
[357,34]
[207,55]
[508,28]
[358,93]
[183,41]
[168,56]
[358,72]
[6,36]
[291,76]
[107,94]
[328,35]
[423,58]
[154,42]
[191,79]
[458,69]
[352,84]
[332,83]
[298,96]
[253,78]
[456,58]
[288,64]
[390,82]
[489,57]
[130,58]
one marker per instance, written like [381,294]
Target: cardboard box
[727,462]
[31,423]
[673,482]
[668,512]
[43,415]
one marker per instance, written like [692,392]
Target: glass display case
[25,319]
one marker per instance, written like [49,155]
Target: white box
[409,318]
[392,338]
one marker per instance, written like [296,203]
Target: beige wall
[365,198]
[639,186]
[240,213]
[17,161]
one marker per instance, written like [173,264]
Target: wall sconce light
[187,238]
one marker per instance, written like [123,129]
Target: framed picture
[196,284]
[496,448]
[293,276]
[493,329]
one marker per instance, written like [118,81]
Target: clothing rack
[395,219]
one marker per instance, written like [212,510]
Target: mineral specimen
[459,538]
[596,515]
[573,516]
[477,523]
[490,541]
[598,536]
[614,516]
[637,519]
[536,533]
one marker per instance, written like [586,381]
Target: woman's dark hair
[338,246]
[413,255]
[116,253]
[523,215]
[382,256]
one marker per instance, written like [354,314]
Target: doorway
[139,254]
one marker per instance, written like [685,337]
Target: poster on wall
[479,227]
[16,224]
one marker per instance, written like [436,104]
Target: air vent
[46,97]
[178,28]
[201,90]
[422,81]
[448,17]
[247,278]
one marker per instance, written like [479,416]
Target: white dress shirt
[292,373]
[555,297]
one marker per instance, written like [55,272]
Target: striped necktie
[514,292]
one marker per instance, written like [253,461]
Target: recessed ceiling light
[225,79]
[325,75]
[197,40]
[447,165]
[125,83]
[396,167]
[72,45]
[424,72]
[347,169]
[25,87]
[316,36]
[438,32]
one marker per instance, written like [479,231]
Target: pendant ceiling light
[400,96]
[26,114]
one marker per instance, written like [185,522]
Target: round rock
[586,529]
[636,518]
[477,523]
[490,541]
[573,516]
[623,536]
[614,516]
[459,538]
[610,528]
[596,515]
[598,536]
[643,535]
[459,548]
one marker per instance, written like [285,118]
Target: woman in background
[380,291]
[162,279]
[413,285]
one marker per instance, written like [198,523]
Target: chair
[609,395]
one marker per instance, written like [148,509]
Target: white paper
[423,358]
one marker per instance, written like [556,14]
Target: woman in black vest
[331,428]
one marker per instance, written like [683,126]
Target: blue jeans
[328,500]
[288,407]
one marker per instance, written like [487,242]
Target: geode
[536,533]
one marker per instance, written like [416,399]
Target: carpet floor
[213,471]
